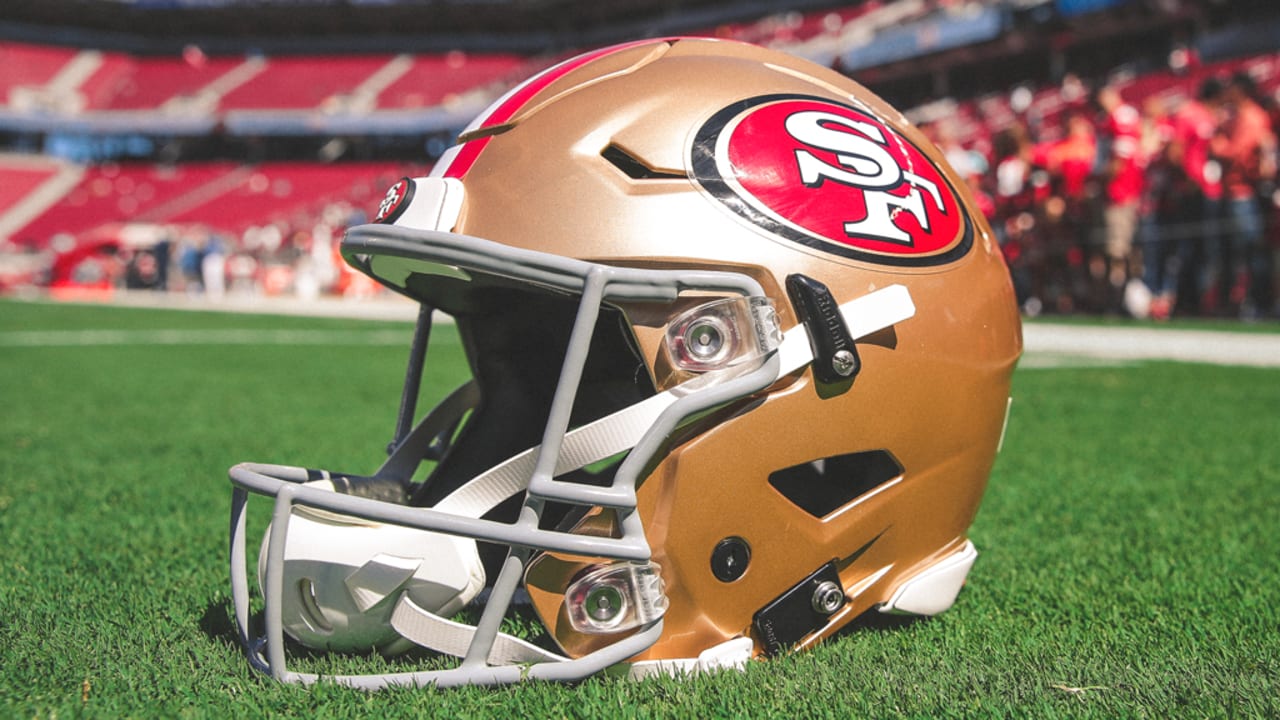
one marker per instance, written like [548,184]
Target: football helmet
[740,350]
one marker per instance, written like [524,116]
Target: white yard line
[81,338]
[387,307]
[1216,347]
[1046,344]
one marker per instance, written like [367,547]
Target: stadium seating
[29,185]
[79,93]
[975,121]
[284,192]
[20,177]
[302,82]
[26,65]
[157,82]
[224,196]
[94,85]
[28,69]
[232,197]
[115,193]
[438,79]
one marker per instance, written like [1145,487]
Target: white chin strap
[592,443]
[620,431]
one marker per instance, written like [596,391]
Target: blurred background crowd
[1124,150]
[1130,203]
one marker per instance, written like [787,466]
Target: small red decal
[395,201]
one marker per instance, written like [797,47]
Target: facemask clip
[723,333]
[616,597]
[835,358]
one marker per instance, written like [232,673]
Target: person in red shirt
[1123,166]
[1068,213]
[1192,231]
[1155,209]
[1246,144]
[1071,159]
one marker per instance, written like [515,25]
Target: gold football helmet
[741,350]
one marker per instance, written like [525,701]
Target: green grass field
[1130,538]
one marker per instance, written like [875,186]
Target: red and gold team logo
[831,177]
[395,201]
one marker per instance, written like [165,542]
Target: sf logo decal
[396,200]
[832,177]
[863,161]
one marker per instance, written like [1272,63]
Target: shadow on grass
[875,621]
[218,623]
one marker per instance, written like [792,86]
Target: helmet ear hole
[311,613]
[823,486]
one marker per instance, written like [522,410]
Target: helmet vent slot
[633,167]
[821,487]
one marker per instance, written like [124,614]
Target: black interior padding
[516,337]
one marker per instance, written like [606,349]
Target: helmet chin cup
[343,576]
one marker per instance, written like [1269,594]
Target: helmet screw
[730,558]
[605,603]
[844,363]
[828,598]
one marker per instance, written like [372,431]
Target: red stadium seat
[224,196]
[29,66]
[303,82]
[153,81]
[20,178]
[436,79]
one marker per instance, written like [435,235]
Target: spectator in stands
[1068,217]
[147,268]
[213,266]
[1190,232]
[189,262]
[1013,219]
[1122,165]
[1070,160]
[1153,209]
[1246,144]
[970,164]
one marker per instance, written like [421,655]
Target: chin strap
[620,431]
[425,628]
[594,442]
[436,633]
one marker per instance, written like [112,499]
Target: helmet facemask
[673,482]
[562,420]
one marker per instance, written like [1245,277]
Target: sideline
[393,308]
[90,338]
[1046,344]
[1216,347]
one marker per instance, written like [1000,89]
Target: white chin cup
[343,577]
